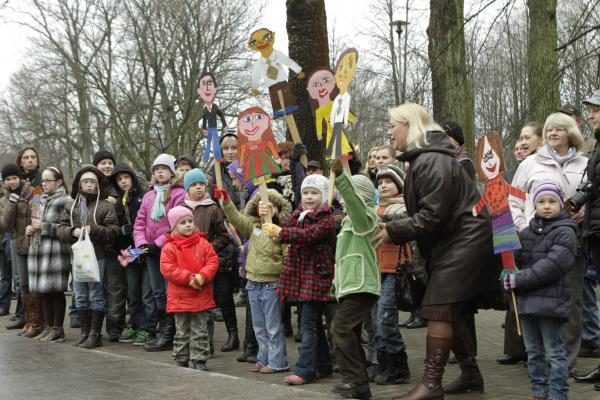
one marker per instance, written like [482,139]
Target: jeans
[591,326]
[544,344]
[212,143]
[268,328]
[90,295]
[116,295]
[574,326]
[313,355]
[388,338]
[139,297]
[5,282]
[158,285]
[191,336]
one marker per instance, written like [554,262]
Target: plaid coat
[49,260]
[309,265]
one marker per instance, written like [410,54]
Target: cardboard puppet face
[345,69]
[490,161]
[320,85]
[207,89]
[262,40]
[490,158]
[253,125]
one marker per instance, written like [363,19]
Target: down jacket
[591,224]
[547,254]
[16,217]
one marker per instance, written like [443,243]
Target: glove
[510,282]
[271,230]
[126,230]
[220,193]
[196,281]
[297,151]
[14,198]
[337,168]
[152,248]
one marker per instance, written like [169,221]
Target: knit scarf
[204,201]
[186,245]
[391,205]
[158,208]
[561,160]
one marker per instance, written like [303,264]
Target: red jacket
[180,258]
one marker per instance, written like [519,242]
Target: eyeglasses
[48,180]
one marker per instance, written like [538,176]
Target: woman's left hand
[578,216]
[382,236]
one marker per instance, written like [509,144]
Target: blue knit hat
[192,176]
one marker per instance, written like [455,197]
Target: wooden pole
[514,300]
[218,177]
[291,123]
[264,197]
[331,192]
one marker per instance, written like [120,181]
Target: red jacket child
[183,257]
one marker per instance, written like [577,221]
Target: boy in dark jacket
[547,254]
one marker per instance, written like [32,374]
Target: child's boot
[84,321]
[95,337]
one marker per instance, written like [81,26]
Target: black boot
[165,341]
[233,341]
[377,369]
[397,370]
[84,323]
[470,379]
[95,337]
[250,344]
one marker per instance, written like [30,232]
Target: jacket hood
[437,142]
[545,225]
[284,206]
[103,185]
[187,159]
[124,167]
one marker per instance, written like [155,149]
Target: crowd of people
[413,203]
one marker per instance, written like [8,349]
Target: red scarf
[186,245]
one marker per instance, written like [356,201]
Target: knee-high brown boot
[36,320]
[26,300]
[470,379]
[430,387]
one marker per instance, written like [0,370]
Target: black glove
[14,198]
[336,167]
[152,248]
[126,230]
[297,151]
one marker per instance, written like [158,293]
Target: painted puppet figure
[490,164]
[257,148]
[338,146]
[271,69]
[207,90]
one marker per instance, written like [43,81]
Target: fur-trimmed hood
[284,206]
[103,184]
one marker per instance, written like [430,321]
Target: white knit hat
[318,182]
[364,188]
[164,159]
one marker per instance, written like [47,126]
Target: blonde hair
[563,121]
[419,122]
[229,141]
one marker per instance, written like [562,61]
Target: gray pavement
[33,370]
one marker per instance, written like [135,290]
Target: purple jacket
[145,230]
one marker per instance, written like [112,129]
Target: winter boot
[36,320]
[377,369]
[430,387]
[397,370]
[470,379]
[162,322]
[165,341]
[26,322]
[95,337]
[233,341]
[84,321]
[250,344]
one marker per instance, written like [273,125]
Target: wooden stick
[264,197]
[219,178]
[514,299]
[331,192]
[291,123]
[346,167]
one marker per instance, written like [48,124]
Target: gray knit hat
[364,188]
[394,173]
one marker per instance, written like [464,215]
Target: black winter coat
[548,252]
[591,223]
[126,213]
[456,246]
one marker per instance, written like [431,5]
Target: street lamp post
[399,24]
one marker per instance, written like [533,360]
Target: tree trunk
[308,46]
[452,98]
[542,65]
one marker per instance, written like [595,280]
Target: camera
[581,196]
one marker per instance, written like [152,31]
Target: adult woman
[439,197]
[558,160]
[384,156]
[49,260]
[371,168]
[531,137]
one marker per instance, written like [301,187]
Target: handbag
[411,282]
[85,263]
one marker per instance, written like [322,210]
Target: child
[189,264]
[149,231]
[547,255]
[263,266]
[389,344]
[356,280]
[91,211]
[308,273]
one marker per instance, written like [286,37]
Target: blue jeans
[313,355]
[90,295]
[591,325]
[388,338]
[212,143]
[544,344]
[5,282]
[158,285]
[268,328]
[139,297]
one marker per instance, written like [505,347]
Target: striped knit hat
[394,173]
[548,188]
[364,188]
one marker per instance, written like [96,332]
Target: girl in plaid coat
[308,274]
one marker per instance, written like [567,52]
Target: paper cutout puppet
[257,148]
[207,90]
[338,146]
[129,255]
[490,164]
[322,89]
[272,70]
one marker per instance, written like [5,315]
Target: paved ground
[33,370]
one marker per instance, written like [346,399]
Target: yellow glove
[271,230]
[196,281]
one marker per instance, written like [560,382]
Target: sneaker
[128,336]
[141,338]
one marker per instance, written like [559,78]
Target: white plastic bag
[85,263]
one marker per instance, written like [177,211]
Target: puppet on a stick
[490,164]
[271,69]
[257,149]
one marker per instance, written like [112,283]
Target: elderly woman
[558,160]
[456,246]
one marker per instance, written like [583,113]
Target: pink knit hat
[176,213]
